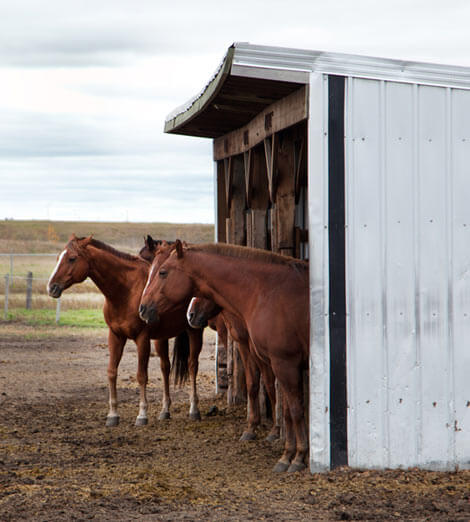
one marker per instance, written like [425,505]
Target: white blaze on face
[55,269]
[189,309]
[149,278]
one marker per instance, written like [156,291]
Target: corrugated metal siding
[408,274]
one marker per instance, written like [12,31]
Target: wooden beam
[278,116]
[270,152]
[228,182]
[247,162]
[222,206]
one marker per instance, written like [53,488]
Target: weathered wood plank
[278,116]
[222,205]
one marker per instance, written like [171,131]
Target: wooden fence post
[29,290]
[7,285]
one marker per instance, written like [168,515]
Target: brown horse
[202,312]
[121,278]
[270,293]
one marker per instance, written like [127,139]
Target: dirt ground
[58,461]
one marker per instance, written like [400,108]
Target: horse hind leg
[292,391]
[116,347]
[298,463]
[284,463]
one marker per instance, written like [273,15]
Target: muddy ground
[58,461]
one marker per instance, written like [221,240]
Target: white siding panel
[460,277]
[433,346]
[399,246]
[364,266]
[408,275]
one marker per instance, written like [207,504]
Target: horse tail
[179,364]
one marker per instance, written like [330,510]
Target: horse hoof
[165,415]
[195,416]
[296,466]
[280,467]
[271,437]
[112,421]
[141,421]
[248,435]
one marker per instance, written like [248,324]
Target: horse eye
[163,273]
[72,259]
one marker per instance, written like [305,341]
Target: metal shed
[372,157]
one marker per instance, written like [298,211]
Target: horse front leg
[143,354]
[252,387]
[195,347]
[269,383]
[161,348]
[116,347]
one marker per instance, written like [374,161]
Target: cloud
[86,86]
[97,189]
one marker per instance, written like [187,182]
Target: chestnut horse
[270,293]
[207,313]
[121,278]
[202,312]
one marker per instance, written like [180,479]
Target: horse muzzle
[196,321]
[148,313]
[55,290]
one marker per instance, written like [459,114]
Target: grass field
[49,237]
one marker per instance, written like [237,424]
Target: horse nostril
[54,290]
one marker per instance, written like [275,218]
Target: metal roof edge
[289,64]
[259,56]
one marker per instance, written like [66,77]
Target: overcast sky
[85,87]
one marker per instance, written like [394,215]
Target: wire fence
[29,293]
[12,256]
[23,290]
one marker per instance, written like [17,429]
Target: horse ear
[73,237]
[150,243]
[87,240]
[179,248]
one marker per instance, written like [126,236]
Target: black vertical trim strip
[337,270]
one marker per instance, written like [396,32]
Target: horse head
[72,266]
[200,310]
[152,247]
[167,288]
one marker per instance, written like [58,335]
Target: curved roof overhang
[232,98]
[252,77]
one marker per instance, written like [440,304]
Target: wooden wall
[261,188]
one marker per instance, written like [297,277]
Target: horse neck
[111,273]
[221,279]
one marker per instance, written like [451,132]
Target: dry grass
[33,237]
[50,236]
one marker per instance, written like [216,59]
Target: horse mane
[257,254]
[108,248]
